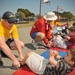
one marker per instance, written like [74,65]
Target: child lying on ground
[70,39]
[40,65]
[58,41]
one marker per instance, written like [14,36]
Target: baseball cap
[9,16]
[50,16]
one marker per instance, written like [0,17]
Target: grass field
[30,23]
[25,24]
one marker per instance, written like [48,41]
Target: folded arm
[53,55]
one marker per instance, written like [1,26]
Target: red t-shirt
[41,26]
[72,42]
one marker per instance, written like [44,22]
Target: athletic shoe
[41,43]
[34,44]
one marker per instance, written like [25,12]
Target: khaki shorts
[37,63]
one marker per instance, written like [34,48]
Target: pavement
[24,36]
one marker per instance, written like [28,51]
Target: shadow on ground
[6,67]
[8,57]
[29,46]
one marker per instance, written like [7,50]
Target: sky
[34,6]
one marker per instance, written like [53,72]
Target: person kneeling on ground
[51,66]
[9,38]
[41,30]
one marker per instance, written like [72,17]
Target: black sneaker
[1,62]
[3,54]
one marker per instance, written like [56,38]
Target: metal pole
[40,8]
[57,10]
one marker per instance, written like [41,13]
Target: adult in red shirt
[41,29]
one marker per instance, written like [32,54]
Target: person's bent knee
[22,44]
[42,35]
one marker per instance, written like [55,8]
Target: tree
[20,14]
[65,14]
[69,16]
[26,12]
[32,14]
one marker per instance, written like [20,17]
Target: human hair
[72,50]
[72,29]
[73,24]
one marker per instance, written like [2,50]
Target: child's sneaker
[34,44]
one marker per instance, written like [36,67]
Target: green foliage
[26,12]
[20,14]
[69,16]
[65,14]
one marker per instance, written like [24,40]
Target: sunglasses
[9,22]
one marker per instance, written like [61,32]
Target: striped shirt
[62,68]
